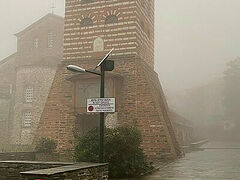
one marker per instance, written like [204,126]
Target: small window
[50,39]
[86,22]
[35,43]
[111,19]
[27,119]
[29,94]
[98,45]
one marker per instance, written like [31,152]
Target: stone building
[26,78]
[92,28]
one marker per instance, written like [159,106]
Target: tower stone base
[140,103]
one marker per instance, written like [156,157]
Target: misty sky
[193,38]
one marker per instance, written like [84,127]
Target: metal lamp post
[105,65]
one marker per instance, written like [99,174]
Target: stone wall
[35,70]
[20,156]
[28,170]
[72,172]
[35,156]
[11,169]
[7,148]
[40,79]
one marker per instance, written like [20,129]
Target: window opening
[50,39]
[27,119]
[111,19]
[29,94]
[86,22]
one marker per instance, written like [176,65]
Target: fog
[194,42]
[193,38]
[17,15]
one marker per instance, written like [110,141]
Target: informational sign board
[101,105]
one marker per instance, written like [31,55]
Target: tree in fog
[231,92]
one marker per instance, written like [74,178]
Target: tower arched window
[86,22]
[111,19]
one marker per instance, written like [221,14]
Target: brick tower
[92,28]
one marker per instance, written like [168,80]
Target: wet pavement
[207,164]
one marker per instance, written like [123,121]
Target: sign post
[105,65]
[101,130]
[101,105]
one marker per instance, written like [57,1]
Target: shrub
[45,145]
[122,151]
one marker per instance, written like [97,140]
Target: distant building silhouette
[26,78]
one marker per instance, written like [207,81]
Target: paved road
[218,164]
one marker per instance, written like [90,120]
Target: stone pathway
[218,164]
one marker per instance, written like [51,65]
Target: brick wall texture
[142,102]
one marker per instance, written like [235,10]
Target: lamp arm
[93,72]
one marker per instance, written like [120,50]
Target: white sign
[101,105]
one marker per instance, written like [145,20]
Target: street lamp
[105,65]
